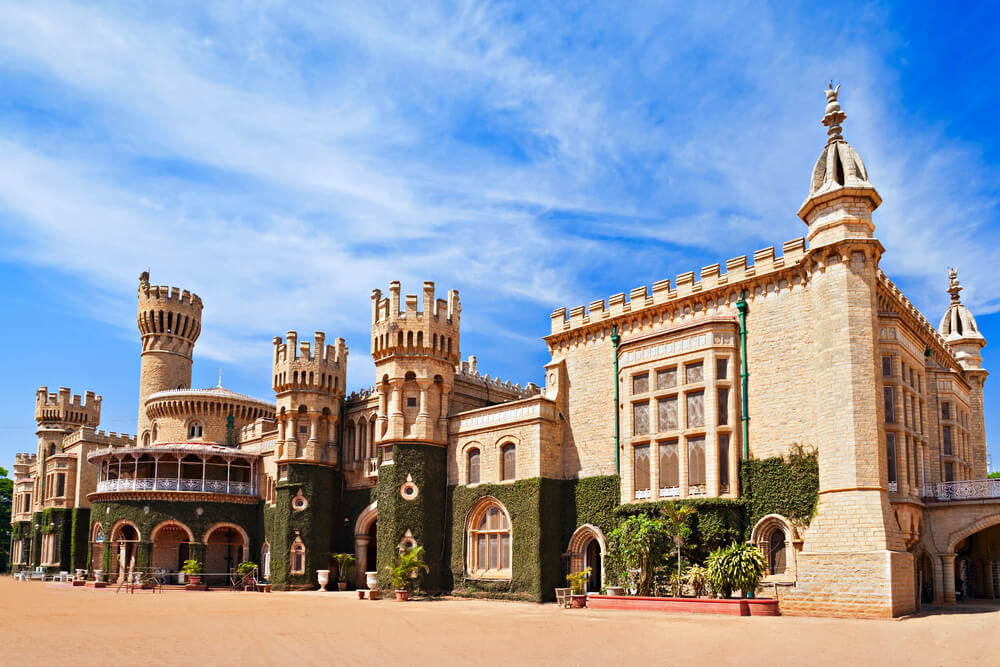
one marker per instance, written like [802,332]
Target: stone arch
[957,536]
[227,524]
[170,522]
[578,545]
[472,517]
[365,536]
[761,536]
[115,534]
[171,544]
[221,557]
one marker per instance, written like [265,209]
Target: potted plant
[697,579]
[577,581]
[345,563]
[736,567]
[192,568]
[404,570]
[247,570]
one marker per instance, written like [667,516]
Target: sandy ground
[57,624]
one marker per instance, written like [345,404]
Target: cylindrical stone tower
[169,322]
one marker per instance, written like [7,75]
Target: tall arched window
[489,540]
[508,462]
[145,439]
[194,430]
[473,467]
[156,432]
[52,449]
[298,559]
[265,561]
[776,551]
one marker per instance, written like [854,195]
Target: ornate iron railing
[174,484]
[641,494]
[670,492]
[968,489]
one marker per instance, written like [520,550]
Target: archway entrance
[592,559]
[125,541]
[366,544]
[975,568]
[224,550]
[171,547]
[371,564]
[925,579]
[586,549]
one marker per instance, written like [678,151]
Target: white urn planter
[180,578]
[81,574]
[97,574]
[322,576]
[371,580]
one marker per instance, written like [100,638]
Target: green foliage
[406,567]
[715,522]
[739,566]
[578,580]
[788,486]
[191,566]
[697,578]
[635,549]
[79,542]
[345,563]
[246,567]
[994,475]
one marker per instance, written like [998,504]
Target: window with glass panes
[696,461]
[490,541]
[669,465]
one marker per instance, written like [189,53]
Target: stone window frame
[760,536]
[194,428]
[298,549]
[471,532]
[505,475]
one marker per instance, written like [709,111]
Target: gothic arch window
[265,561]
[508,462]
[52,449]
[298,557]
[489,540]
[472,469]
[156,432]
[772,535]
[194,430]
[145,439]
[776,551]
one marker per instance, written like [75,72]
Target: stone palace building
[650,397]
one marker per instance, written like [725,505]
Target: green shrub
[636,548]
[739,566]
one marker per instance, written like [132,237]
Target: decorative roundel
[199,511]
[146,509]
[299,502]
[409,490]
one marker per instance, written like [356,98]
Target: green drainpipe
[615,340]
[741,307]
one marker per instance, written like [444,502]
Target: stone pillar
[361,553]
[443,415]
[383,412]
[396,417]
[313,428]
[424,426]
[948,574]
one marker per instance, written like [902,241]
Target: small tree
[677,516]
[636,547]
[345,563]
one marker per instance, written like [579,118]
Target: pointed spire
[953,286]
[834,114]
[220,377]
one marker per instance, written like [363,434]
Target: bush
[697,579]
[405,567]
[636,548]
[739,566]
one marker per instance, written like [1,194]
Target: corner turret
[959,329]
[308,381]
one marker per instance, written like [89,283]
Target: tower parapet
[66,409]
[308,381]
[416,351]
[169,323]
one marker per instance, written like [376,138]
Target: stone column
[948,574]
[313,428]
[396,417]
[443,415]
[383,413]
[361,553]
[424,425]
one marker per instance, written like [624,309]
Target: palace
[657,396]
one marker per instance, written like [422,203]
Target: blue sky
[283,159]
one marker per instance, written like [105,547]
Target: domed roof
[839,167]
[957,323]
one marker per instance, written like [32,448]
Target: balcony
[969,489]
[175,484]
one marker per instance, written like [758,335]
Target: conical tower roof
[958,323]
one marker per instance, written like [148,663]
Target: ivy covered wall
[788,486]
[314,525]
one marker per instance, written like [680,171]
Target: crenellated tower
[416,350]
[58,414]
[169,323]
[308,382]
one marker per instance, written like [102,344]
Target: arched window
[194,430]
[265,561]
[145,439]
[52,448]
[489,541]
[473,467]
[776,551]
[508,462]
[298,559]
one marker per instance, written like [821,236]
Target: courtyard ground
[57,624]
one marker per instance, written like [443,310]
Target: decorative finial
[834,114]
[220,377]
[953,287]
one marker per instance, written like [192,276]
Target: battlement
[432,331]
[93,435]
[23,459]
[737,270]
[168,310]
[468,370]
[299,365]
[165,293]
[64,408]
[360,395]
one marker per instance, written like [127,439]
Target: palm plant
[697,579]
[345,563]
[577,580]
[738,566]
[405,567]
[677,516]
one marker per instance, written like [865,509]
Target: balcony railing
[969,489]
[174,484]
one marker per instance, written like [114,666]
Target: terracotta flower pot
[195,579]
[341,585]
[402,596]
[616,590]
[361,593]
[579,601]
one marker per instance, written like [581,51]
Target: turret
[416,350]
[841,200]
[169,324]
[308,381]
[58,414]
